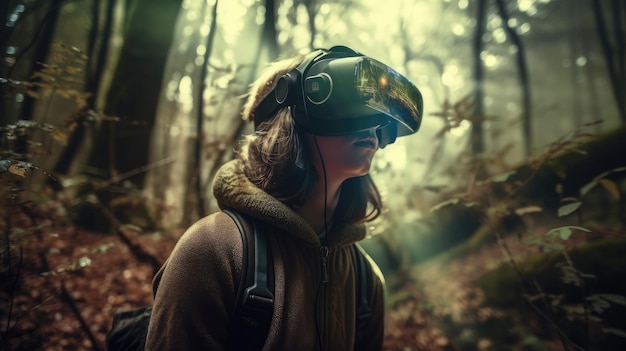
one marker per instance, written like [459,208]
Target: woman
[305,173]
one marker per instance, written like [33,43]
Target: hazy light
[512,107]
[302,17]
[491,61]
[458,29]
[282,37]
[488,100]
[170,90]
[499,35]
[229,55]
[524,5]
[200,50]
[494,22]
[461,129]
[260,15]
[394,155]
[523,29]
[581,61]
[230,15]
[191,15]
[463,4]
[185,91]
[204,29]
[190,67]
[188,30]
[451,77]
[324,9]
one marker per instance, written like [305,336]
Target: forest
[504,225]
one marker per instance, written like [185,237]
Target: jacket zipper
[324,253]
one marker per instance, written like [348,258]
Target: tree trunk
[198,188]
[97,52]
[269,35]
[42,41]
[615,76]
[135,88]
[523,77]
[476,137]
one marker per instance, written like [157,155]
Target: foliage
[528,278]
[35,215]
[548,272]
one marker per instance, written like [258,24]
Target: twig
[12,282]
[565,340]
[67,298]
[136,249]
[120,177]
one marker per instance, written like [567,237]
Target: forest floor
[92,276]
[445,308]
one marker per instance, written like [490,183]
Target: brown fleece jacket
[196,288]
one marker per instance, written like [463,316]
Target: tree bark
[617,84]
[97,52]
[476,136]
[523,77]
[199,144]
[135,88]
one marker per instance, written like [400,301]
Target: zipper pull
[324,253]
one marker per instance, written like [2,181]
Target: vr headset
[340,91]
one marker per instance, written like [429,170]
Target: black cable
[319,152]
[319,286]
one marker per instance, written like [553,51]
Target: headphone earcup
[288,92]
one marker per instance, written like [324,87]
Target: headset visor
[385,90]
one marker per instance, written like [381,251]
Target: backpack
[251,319]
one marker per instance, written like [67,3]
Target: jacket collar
[233,189]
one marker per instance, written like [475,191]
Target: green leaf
[528,209]
[587,187]
[565,232]
[614,298]
[553,247]
[569,208]
[615,331]
[500,178]
[534,241]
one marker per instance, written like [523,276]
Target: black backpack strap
[363,286]
[254,303]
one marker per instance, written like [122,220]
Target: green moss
[603,259]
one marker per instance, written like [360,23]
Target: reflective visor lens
[385,90]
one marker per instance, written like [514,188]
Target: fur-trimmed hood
[233,189]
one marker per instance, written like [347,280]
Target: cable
[319,152]
[319,286]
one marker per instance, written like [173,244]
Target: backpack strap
[363,286]
[254,302]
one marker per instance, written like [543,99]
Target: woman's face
[345,156]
